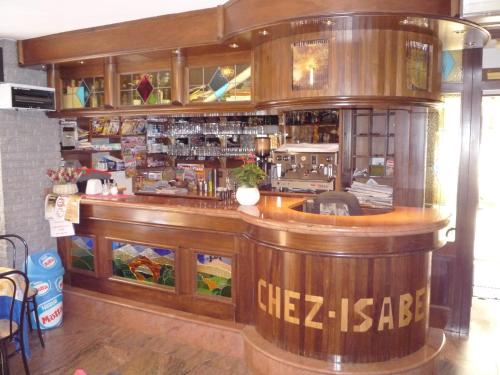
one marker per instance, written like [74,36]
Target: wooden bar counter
[351,289]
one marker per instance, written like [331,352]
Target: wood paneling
[54,80]
[110,86]
[343,309]
[363,63]
[409,160]
[94,68]
[242,15]
[150,34]
[214,59]
[144,62]
[365,275]
[178,78]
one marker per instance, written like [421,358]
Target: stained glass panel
[82,253]
[213,275]
[222,83]
[144,264]
[145,88]
[83,93]
[451,69]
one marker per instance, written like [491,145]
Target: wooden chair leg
[37,322]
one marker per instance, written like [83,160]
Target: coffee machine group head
[262,150]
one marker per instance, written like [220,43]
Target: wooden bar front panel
[343,309]
[345,289]
[367,63]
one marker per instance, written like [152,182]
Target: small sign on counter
[62,211]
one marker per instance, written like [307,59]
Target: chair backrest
[14,285]
[347,203]
[11,239]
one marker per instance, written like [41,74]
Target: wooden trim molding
[218,26]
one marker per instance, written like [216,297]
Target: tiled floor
[479,354]
[108,350]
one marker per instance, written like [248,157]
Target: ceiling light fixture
[264,32]
[233,45]
[82,62]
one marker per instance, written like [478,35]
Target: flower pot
[65,189]
[247,196]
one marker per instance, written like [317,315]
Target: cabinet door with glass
[145,88]
[372,143]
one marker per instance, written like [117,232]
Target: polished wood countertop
[274,212]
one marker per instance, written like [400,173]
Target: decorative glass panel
[417,65]
[443,156]
[310,65]
[146,264]
[145,88]
[451,69]
[83,93]
[222,83]
[82,253]
[213,275]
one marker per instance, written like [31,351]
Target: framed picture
[310,65]
[417,65]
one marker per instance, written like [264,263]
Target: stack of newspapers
[372,194]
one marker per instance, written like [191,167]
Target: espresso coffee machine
[305,167]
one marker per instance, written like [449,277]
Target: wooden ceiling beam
[201,27]
[150,34]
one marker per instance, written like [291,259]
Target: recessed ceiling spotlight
[176,51]
[264,32]
[329,22]
[404,22]
[233,45]
[82,62]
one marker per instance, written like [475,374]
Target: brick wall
[29,144]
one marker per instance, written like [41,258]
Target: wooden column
[54,80]
[467,193]
[178,77]
[110,91]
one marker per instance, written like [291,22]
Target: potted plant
[64,180]
[248,177]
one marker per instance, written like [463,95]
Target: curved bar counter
[343,289]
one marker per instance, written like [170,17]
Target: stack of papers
[372,194]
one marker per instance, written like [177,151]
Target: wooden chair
[12,288]
[31,304]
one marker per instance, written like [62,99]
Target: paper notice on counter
[62,207]
[61,228]
[62,211]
